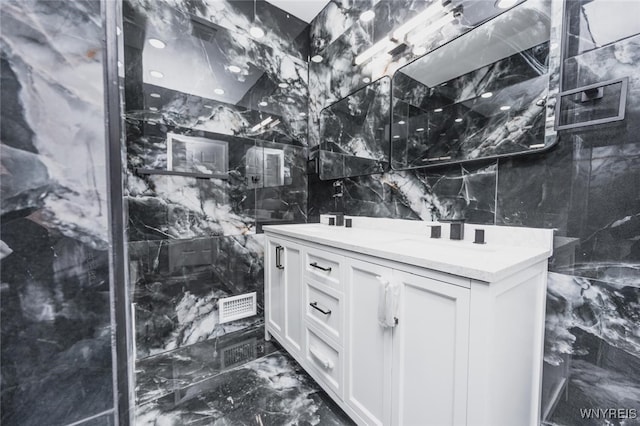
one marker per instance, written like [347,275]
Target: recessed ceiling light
[234,69]
[208,106]
[458,120]
[283,85]
[401,122]
[486,95]
[303,114]
[156,74]
[420,129]
[263,104]
[158,44]
[437,110]
[366,80]
[505,108]
[316,58]
[256,32]
[154,95]
[218,91]
[505,4]
[367,15]
[419,50]
[153,108]
[396,136]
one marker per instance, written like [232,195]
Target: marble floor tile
[168,372]
[272,390]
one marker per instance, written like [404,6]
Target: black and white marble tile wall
[194,239]
[585,187]
[56,362]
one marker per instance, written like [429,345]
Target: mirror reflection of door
[197,155]
[265,167]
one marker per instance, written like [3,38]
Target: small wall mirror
[354,133]
[482,95]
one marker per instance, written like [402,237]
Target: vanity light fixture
[538,145]
[384,44]
[156,74]
[264,123]
[274,124]
[283,85]
[234,69]
[430,12]
[486,95]
[218,91]
[317,58]
[458,120]
[419,36]
[505,108]
[367,15]
[506,4]
[154,95]
[158,44]
[437,110]
[397,38]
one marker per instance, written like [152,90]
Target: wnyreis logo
[608,413]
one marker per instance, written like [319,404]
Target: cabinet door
[367,344]
[430,352]
[283,292]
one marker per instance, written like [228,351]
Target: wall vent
[236,307]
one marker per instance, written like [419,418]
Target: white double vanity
[403,329]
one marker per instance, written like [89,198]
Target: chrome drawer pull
[314,305]
[315,265]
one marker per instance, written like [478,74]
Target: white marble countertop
[507,251]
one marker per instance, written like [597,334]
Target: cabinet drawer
[325,360]
[323,266]
[323,308]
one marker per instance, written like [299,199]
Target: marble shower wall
[216,148]
[586,187]
[56,357]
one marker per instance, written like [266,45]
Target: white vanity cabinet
[398,343]
[283,295]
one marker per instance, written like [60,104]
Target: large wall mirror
[482,95]
[355,133]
